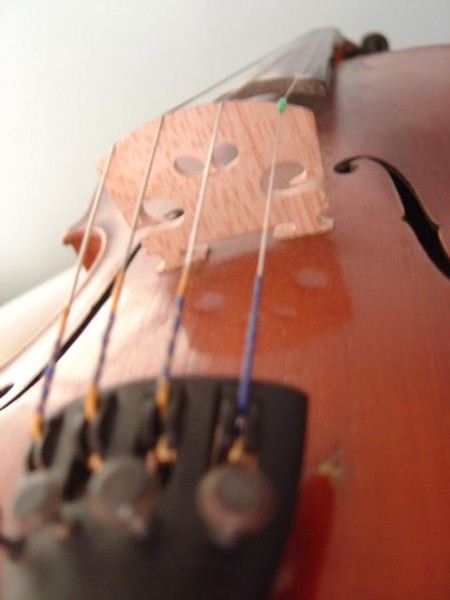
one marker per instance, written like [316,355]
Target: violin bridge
[237,182]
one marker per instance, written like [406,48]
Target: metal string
[163,382]
[280,53]
[252,325]
[49,371]
[92,395]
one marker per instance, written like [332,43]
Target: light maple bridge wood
[236,192]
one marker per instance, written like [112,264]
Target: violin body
[356,317]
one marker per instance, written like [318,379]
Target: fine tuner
[226,496]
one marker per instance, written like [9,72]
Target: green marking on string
[281,104]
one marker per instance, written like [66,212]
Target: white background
[75,76]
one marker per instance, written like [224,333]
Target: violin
[245,393]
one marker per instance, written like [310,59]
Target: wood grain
[235,198]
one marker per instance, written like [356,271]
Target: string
[49,371]
[280,53]
[252,325]
[163,382]
[92,395]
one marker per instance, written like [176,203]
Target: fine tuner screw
[125,492]
[234,502]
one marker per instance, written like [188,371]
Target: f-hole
[425,230]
